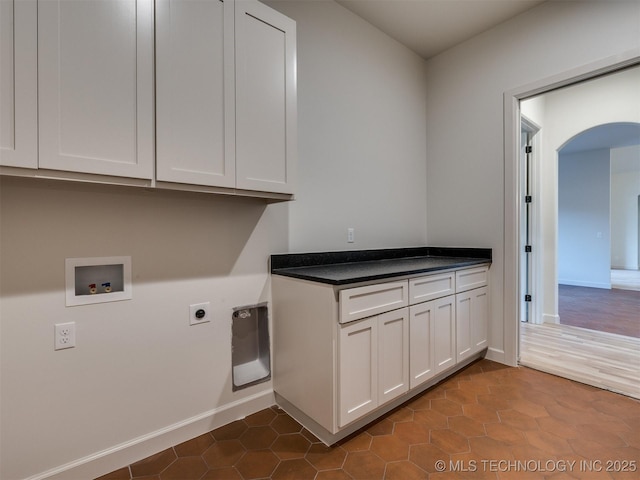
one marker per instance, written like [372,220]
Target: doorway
[515,278]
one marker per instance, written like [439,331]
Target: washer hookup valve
[92,288]
[107,287]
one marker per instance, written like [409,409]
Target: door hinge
[528,149]
[527,248]
[527,199]
[527,298]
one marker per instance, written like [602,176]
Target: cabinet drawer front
[362,302]
[471,278]
[429,287]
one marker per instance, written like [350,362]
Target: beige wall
[138,366]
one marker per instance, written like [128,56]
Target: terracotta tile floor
[487,421]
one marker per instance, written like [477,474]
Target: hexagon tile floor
[487,421]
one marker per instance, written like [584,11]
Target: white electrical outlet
[65,335]
[350,235]
[199,313]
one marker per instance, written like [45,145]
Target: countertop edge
[293,260]
[458,263]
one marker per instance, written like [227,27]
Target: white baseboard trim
[495,355]
[548,318]
[118,456]
[578,283]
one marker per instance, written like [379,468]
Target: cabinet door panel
[393,354]
[480,324]
[194,97]
[444,337]
[95,69]
[265,98]
[421,343]
[464,320]
[358,370]
[18,84]
[471,322]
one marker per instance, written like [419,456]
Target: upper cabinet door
[18,83]
[195,92]
[95,78]
[265,98]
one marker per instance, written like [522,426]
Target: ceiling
[429,27]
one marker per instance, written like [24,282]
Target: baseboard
[118,456]
[496,355]
[578,283]
[548,318]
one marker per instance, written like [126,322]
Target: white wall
[362,150]
[138,368]
[465,149]
[625,191]
[584,245]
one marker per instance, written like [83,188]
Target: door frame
[530,261]
[512,177]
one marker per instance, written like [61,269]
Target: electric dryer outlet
[199,313]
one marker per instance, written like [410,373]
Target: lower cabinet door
[444,333]
[472,311]
[421,343]
[480,323]
[464,320]
[393,354]
[357,369]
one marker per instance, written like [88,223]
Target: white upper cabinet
[186,93]
[266,119]
[195,108]
[18,84]
[226,95]
[95,86]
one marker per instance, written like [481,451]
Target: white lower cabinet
[432,338]
[444,333]
[421,357]
[343,354]
[374,363]
[393,354]
[471,322]
[358,369]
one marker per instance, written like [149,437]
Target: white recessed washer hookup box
[97,280]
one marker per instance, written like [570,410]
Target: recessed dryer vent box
[97,280]
[250,351]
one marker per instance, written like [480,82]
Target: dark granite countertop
[341,268]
